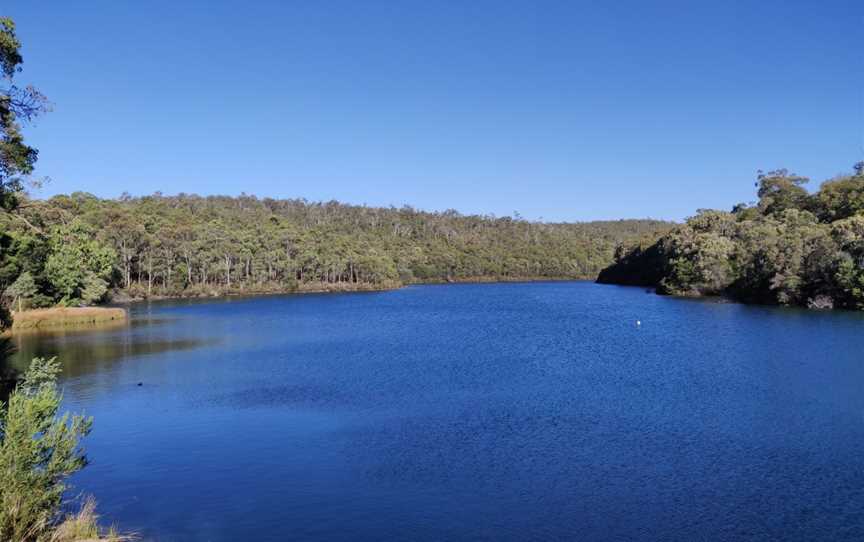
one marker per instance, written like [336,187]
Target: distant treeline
[790,248]
[75,249]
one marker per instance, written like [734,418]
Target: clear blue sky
[563,110]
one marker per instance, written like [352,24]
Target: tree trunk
[149,274]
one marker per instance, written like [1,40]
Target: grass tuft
[84,527]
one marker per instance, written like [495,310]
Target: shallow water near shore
[519,411]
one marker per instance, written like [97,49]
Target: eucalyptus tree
[794,248]
[17,105]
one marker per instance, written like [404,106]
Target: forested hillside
[75,249]
[791,248]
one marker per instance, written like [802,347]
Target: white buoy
[638,322]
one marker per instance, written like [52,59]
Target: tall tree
[780,190]
[17,104]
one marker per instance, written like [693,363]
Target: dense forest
[76,249]
[793,247]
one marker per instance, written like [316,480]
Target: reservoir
[518,411]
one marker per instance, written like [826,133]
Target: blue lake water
[535,411]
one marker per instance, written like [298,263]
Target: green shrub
[38,452]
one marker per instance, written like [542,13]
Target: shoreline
[115,311]
[335,288]
[126,300]
[724,299]
[501,280]
[64,317]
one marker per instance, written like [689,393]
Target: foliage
[793,248]
[16,104]
[849,275]
[191,245]
[840,198]
[17,159]
[779,190]
[78,266]
[24,287]
[38,452]
[642,262]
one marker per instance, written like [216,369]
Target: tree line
[75,249]
[792,247]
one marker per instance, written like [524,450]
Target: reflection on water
[84,350]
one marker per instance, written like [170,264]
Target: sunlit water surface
[472,412]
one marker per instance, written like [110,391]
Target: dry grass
[66,316]
[84,527]
[326,287]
